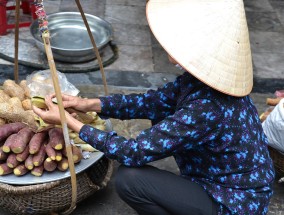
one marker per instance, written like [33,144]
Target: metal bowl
[70,41]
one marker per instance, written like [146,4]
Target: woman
[204,119]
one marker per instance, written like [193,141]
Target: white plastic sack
[273,127]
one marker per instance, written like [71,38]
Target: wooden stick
[16,63]
[94,45]
[57,89]
[45,36]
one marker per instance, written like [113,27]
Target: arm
[189,127]
[153,105]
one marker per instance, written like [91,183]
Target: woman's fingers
[37,111]
[41,113]
[48,102]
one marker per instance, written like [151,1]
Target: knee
[126,179]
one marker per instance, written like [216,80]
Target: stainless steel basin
[70,41]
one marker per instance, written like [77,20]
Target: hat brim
[209,39]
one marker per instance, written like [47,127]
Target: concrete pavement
[142,64]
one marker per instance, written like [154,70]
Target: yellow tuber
[13,89]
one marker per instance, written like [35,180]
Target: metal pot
[70,41]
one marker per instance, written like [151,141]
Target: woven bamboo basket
[55,197]
[278,160]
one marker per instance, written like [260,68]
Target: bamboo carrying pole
[16,63]
[63,120]
[94,45]
[51,63]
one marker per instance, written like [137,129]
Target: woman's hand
[81,104]
[52,115]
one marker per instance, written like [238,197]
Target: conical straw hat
[208,38]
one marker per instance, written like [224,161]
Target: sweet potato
[21,140]
[49,165]
[5,169]
[51,152]
[12,162]
[8,142]
[63,164]
[63,151]
[27,104]
[4,97]
[56,139]
[29,162]
[14,114]
[23,84]
[16,102]
[13,89]
[58,156]
[39,157]
[20,170]
[36,141]
[23,156]
[3,155]
[37,171]
[77,154]
[8,129]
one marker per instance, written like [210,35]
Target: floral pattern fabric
[217,140]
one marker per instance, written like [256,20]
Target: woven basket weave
[55,197]
[278,160]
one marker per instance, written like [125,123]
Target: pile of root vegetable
[22,150]
[271,102]
[27,144]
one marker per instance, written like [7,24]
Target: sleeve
[188,128]
[153,105]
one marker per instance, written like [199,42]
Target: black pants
[149,190]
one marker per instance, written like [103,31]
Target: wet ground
[142,64]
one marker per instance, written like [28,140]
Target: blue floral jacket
[217,140]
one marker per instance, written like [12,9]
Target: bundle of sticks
[272,102]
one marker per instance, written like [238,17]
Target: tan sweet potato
[21,140]
[27,104]
[37,171]
[36,141]
[4,97]
[56,139]
[23,84]
[14,114]
[51,152]
[29,162]
[16,102]
[49,165]
[20,170]
[13,89]
[39,157]
[8,129]
[5,169]
[63,164]
[24,155]
[12,162]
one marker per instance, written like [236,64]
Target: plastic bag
[273,127]
[40,84]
